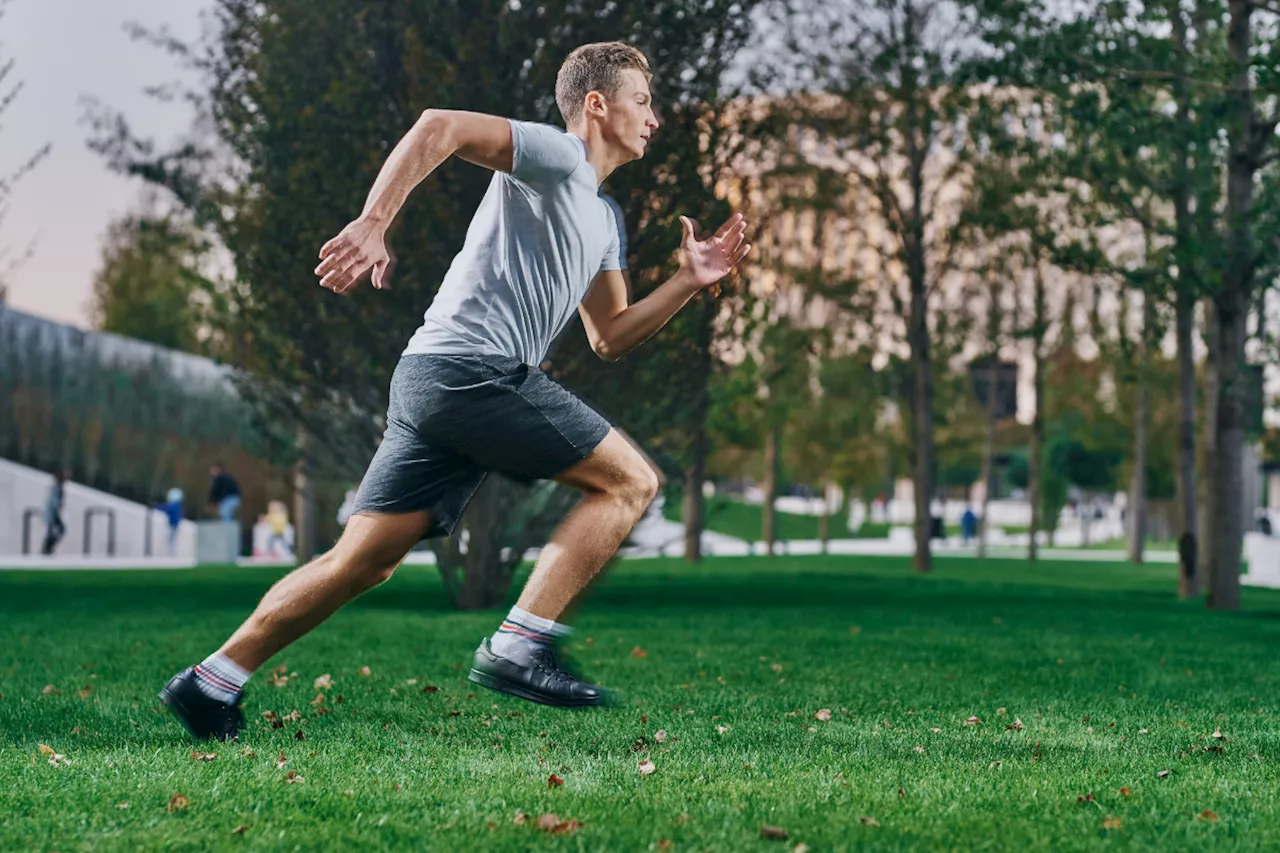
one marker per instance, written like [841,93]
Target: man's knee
[640,486]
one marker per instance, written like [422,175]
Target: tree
[10,262]
[887,119]
[149,284]
[306,98]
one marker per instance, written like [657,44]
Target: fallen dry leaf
[823,714]
[555,781]
[1218,735]
[1142,731]
[1000,712]
[292,717]
[775,833]
[178,803]
[973,721]
[203,756]
[920,749]
[84,692]
[47,750]
[547,822]
[664,844]
[1209,816]
[1015,726]
[566,827]
[646,767]
[324,682]
[280,762]
[1163,773]
[777,667]
[995,765]
[1124,792]
[319,700]
[241,829]
[1087,798]
[122,805]
[800,848]
[869,821]
[365,671]
[247,752]
[638,652]
[292,778]
[430,688]
[660,735]
[936,731]
[1111,823]
[721,729]
[520,817]
[58,760]
[49,688]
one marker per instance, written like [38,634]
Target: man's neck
[599,155]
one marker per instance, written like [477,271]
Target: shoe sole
[493,683]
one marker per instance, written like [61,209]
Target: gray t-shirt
[538,239]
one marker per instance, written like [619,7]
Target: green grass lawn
[1091,681]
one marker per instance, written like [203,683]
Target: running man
[467,398]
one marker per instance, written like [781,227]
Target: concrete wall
[22,487]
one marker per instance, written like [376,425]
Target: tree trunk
[1035,468]
[1184,324]
[1138,480]
[1188,582]
[1208,441]
[917,145]
[693,501]
[694,514]
[824,520]
[1232,303]
[771,453]
[988,460]
[305,534]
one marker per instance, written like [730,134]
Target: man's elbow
[606,349]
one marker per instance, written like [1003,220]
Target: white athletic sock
[521,626]
[221,678]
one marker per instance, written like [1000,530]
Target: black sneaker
[202,715]
[534,672]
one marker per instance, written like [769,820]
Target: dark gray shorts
[453,419]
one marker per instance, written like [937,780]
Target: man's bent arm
[615,327]
[475,137]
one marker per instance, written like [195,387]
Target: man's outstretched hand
[707,261]
[358,248]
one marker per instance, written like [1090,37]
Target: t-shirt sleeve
[541,155]
[615,257]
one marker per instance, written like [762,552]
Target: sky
[65,51]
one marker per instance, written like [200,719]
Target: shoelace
[545,660]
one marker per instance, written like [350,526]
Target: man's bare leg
[205,698]
[619,484]
[367,554]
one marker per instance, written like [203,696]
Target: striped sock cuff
[536,628]
[221,678]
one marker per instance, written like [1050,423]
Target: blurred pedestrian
[54,529]
[224,492]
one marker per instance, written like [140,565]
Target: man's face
[630,120]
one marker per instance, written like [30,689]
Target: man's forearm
[641,320]
[427,144]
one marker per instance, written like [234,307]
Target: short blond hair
[595,67]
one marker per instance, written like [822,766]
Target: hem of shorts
[442,526]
